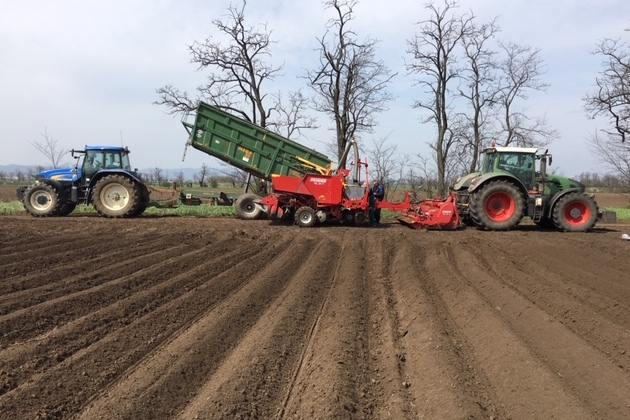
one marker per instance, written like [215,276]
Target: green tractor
[514,183]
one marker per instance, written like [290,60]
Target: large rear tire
[145,195]
[575,212]
[498,205]
[117,196]
[41,200]
[246,209]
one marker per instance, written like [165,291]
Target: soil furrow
[334,375]
[154,389]
[52,347]
[387,357]
[567,356]
[122,351]
[255,377]
[566,300]
[25,274]
[438,367]
[184,317]
[513,368]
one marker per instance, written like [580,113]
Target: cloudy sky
[87,71]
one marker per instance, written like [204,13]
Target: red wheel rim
[577,213]
[500,206]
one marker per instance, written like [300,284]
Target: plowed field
[202,318]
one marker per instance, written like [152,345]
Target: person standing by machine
[379,194]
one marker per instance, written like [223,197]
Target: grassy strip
[16,208]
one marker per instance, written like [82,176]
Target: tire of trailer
[348,217]
[575,212]
[305,217]
[246,209]
[117,196]
[41,200]
[498,205]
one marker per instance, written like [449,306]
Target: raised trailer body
[251,148]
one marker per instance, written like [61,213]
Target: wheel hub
[575,213]
[42,200]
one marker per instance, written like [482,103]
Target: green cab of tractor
[513,183]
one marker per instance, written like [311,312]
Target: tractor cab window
[112,160]
[93,162]
[521,165]
[124,161]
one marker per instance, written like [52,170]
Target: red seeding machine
[320,197]
[513,183]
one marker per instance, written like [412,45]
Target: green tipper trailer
[251,148]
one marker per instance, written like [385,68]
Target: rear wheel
[497,205]
[117,196]
[575,212]
[305,217]
[143,202]
[348,217]
[246,207]
[41,200]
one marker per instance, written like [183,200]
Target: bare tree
[49,147]
[434,61]
[612,97]
[386,165]
[159,177]
[292,117]
[200,176]
[349,82]
[479,88]
[520,71]
[180,178]
[239,71]
[614,154]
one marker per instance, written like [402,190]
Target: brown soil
[204,318]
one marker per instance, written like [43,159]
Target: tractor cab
[98,158]
[528,165]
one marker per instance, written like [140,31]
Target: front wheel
[246,207]
[575,212]
[305,217]
[498,205]
[41,200]
[117,196]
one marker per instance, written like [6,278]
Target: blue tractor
[102,177]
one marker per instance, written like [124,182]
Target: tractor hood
[465,181]
[565,183]
[58,174]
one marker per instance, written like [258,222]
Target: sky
[86,72]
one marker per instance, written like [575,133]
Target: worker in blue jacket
[379,195]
